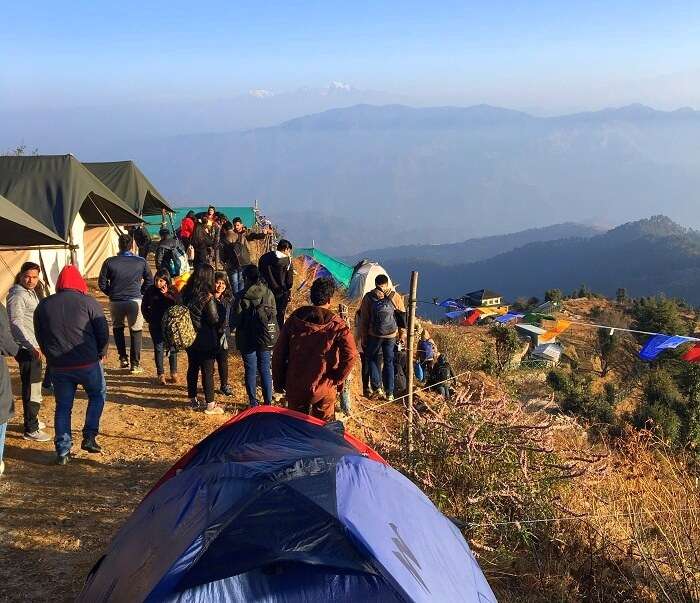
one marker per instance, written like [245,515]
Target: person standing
[254,317]
[314,355]
[235,253]
[156,300]
[382,321]
[187,229]
[165,253]
[276,269]
[204,245]
[198,296]
[8,347]
[73,334]
[124,278]
[223,297]
[22,301]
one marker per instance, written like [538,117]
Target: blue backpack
[384,316]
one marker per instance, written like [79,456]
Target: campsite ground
[56,521]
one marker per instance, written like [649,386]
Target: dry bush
[462,345]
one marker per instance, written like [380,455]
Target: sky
[545,56]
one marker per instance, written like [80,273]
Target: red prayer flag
[693,354]
[472,317]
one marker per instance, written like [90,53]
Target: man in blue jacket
[124,278]
[73,334]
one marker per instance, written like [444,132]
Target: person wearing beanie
[72,333]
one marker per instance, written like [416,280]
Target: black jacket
[71,329]
[163,249]
[124,277]
[235,254]
[241,319]
[205,320]
[154,306]
[204,243]
[8,347]
[278,273]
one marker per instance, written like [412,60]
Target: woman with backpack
[198,297]
[204,245]
[160,296]
[254,317]
[223,297]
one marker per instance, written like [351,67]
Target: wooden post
[410,341]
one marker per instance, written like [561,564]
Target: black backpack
[384,316]
[261,325]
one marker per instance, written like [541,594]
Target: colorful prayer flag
[693,354]
[559,327]
[658,343]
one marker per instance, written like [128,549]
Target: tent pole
[410,355]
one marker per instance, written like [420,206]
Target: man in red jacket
[314,355]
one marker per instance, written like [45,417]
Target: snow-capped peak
[260,93]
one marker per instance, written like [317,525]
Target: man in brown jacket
[382,320]
[314,355]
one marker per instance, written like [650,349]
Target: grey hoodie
[21,304]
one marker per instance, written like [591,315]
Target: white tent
[363,279]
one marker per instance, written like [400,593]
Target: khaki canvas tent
[68,200]
[127,181]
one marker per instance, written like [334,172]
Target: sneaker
[161,380]
[37,436]
[379,394]
[42,425]
[196,404]
[124,363]
[226,390]
[63,459]
[390,398]
[136,370]
[213,409]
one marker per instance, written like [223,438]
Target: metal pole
[409,353]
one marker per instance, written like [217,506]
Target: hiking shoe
[37,436]
[136,370]
[379,394]
[213,409]
[124,363]
[161,380]
[91,445]
[63,459]
[367,393]
[226,390]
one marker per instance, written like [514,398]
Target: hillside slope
[646,257]
[473,250]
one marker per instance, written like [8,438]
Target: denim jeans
[236,279]
[159,352]
[373,347]
[65,384]
[254,362]
[3,429]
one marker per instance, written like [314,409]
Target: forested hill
[646,257]
[473,250]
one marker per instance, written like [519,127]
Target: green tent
[19,229]
[127,181]
[56,188]
[340,271]
[247,214]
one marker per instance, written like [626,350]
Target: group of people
[307,357]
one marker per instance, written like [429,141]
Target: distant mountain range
[477,249]
[389,171]
[646,257]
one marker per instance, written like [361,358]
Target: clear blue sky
[513,53]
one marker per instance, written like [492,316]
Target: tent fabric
[362,280]
[246,214]
[19,229]
[658,343]
[277,507]
[340,271]
[100,243]
[127,181]
[57,188]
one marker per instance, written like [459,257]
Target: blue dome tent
[278,507]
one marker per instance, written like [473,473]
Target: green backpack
[178,330]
